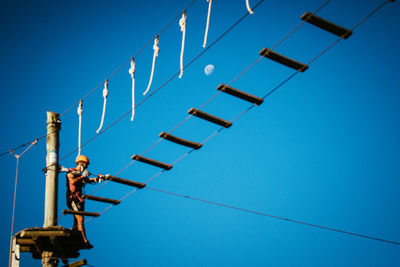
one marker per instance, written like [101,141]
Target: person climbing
[76,179]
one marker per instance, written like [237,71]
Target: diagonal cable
[274,216]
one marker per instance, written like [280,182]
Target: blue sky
[322,149]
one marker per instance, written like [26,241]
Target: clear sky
[322,149]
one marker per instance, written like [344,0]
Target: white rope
[80,111]
[249,8]
[132,73]
[156,50]
[182,23]
[105,94]
[208,22]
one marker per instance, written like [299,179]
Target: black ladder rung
[83,213]
[209,117]
[268,53]
[153,162]
[180,141]
[124,181]
[240,94]
[102,199]
[326,25]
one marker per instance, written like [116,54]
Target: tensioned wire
[236,118]
[273,216]
[15,190]
[109,77]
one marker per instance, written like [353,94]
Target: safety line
[273,216]
[12,150]
[13,209]
[15,190]
[16,182]
[15,195]
[372,13]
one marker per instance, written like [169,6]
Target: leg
[81,227]
[75,223]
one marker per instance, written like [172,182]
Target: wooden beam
[180,141]
[76,263]
[23,241]
[210,118]
[124,181]
[326,25]
[45,233]
[101,199]
[240,94]
[153,162]
[83,213]
[268,53]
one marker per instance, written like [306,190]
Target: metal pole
[51,195]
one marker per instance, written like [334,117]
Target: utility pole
[51,195]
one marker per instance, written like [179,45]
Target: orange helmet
[82,158]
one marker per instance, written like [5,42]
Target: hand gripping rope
[80,111]
[132,73]
[249,8]
[105,94]
[208,23]
[182,23]
[156,50]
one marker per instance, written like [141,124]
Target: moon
[209,69]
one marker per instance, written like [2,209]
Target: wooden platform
[63,242]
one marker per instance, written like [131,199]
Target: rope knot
[155,47]
[105,90]
[182,21]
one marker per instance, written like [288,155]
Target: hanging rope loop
[155,55]
[208,23]
[105,95]
[182,23]
[249,8]
[80,111]
[132,73]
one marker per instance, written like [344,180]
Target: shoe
[87,245]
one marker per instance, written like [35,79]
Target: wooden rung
[153,162]
[283,60]
[76,263]
[180,141]
[326,25]
[210,118]
[84,213]
[102,199]
[243,95]
[124,181]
